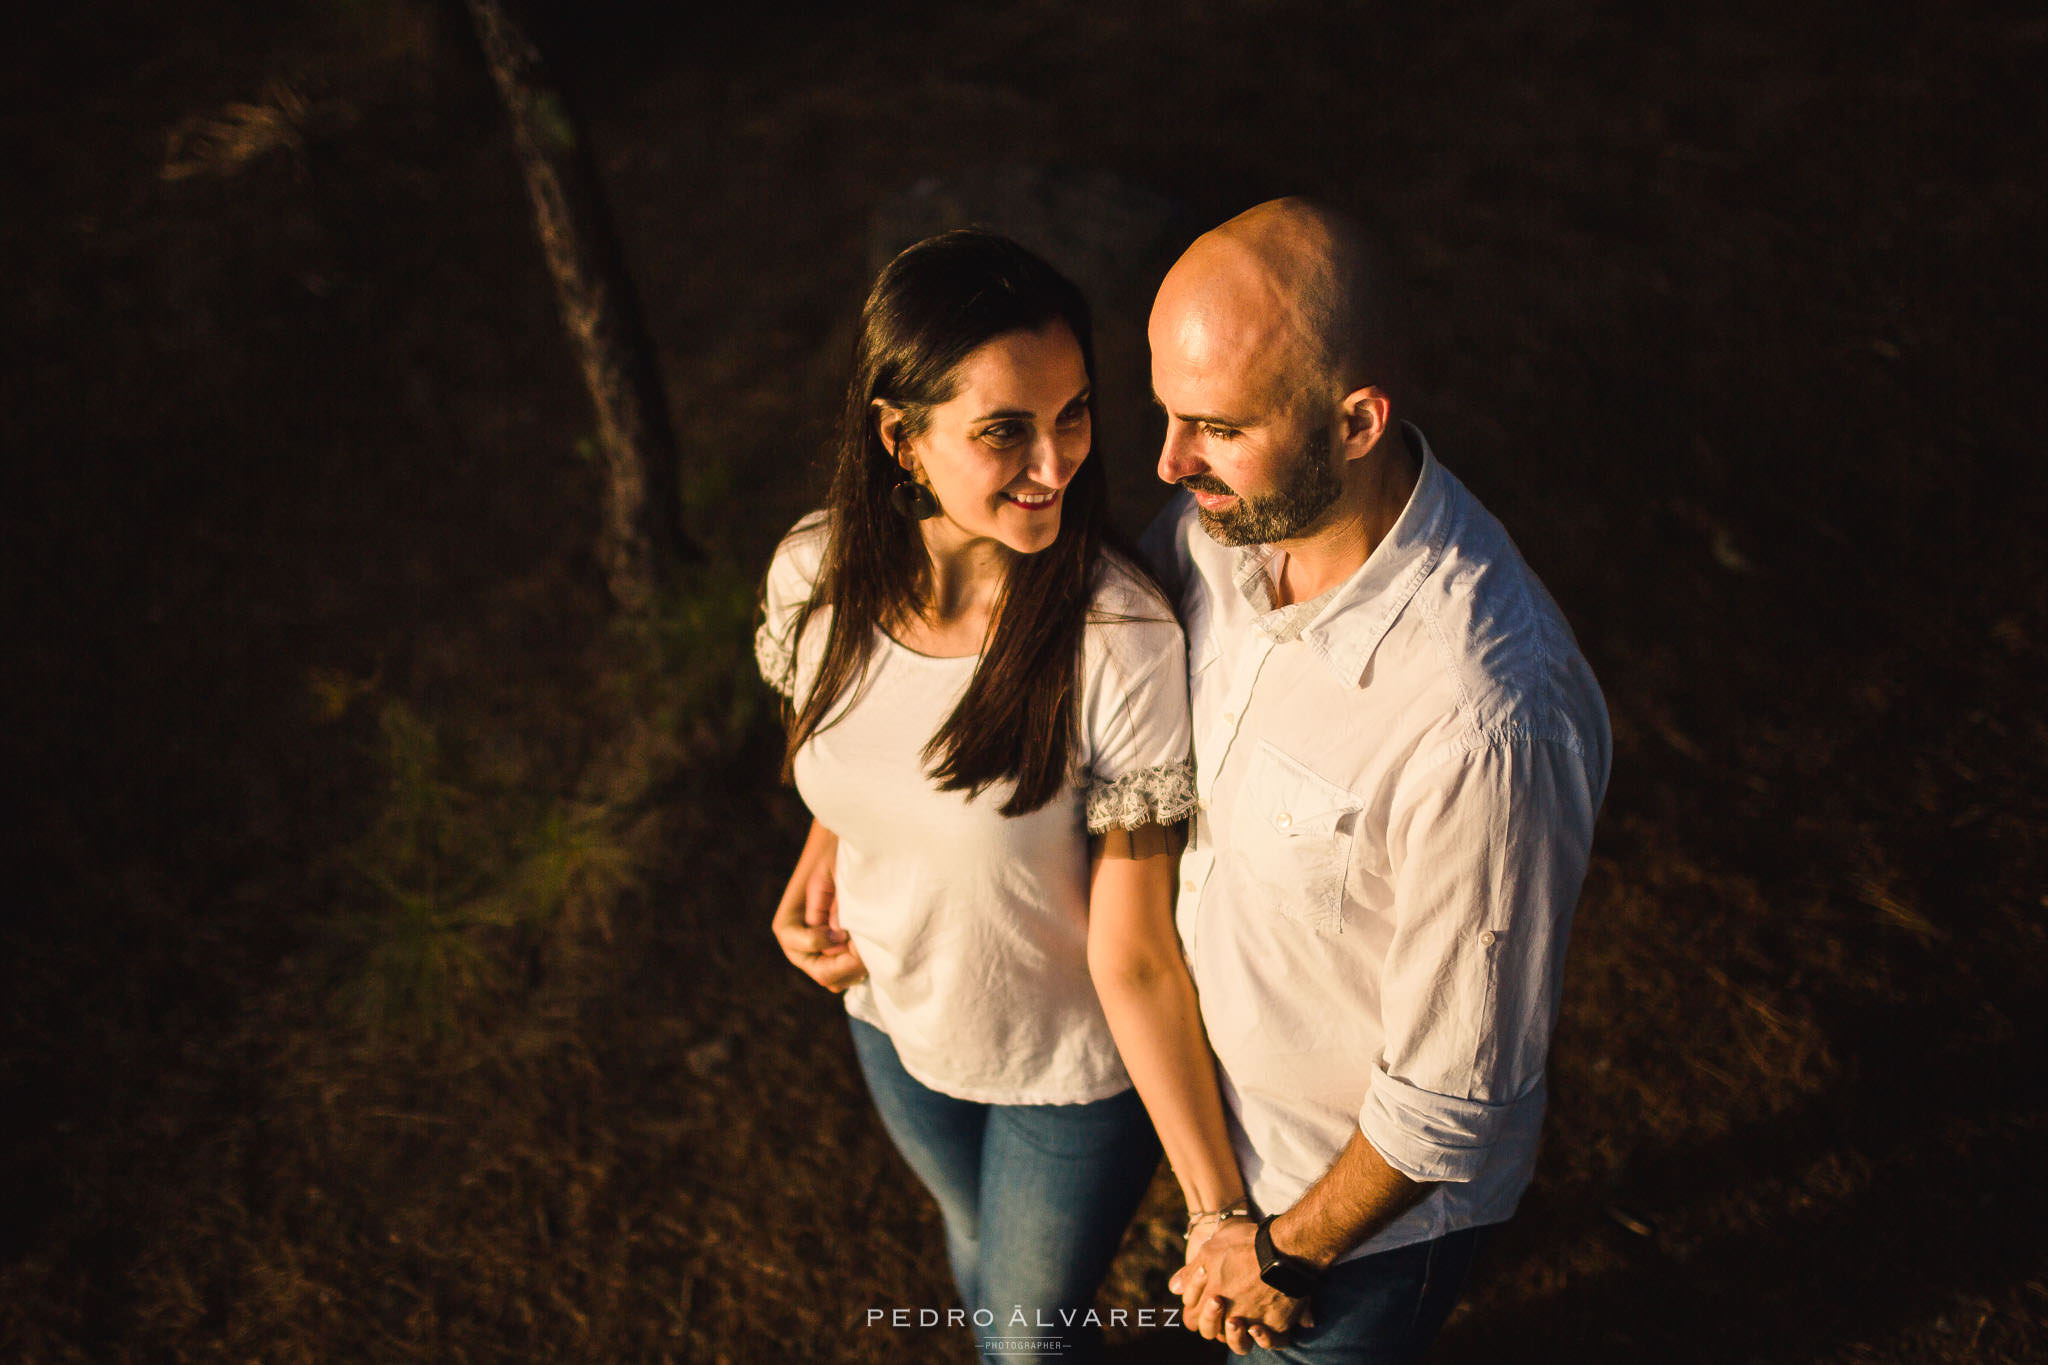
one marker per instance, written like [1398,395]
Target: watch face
[1292,1277]
[1287,1276]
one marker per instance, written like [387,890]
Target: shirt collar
[1360,611]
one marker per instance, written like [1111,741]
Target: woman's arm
[806,921]
[1134,959]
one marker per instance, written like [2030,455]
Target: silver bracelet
[1241,1209]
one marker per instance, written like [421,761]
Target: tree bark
[642,535]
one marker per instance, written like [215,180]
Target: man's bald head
[1270,356]
[1291,287]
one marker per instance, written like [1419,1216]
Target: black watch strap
[1291,1275]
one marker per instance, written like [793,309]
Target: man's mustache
[1207,483]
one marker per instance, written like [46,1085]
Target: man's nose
[1177,458]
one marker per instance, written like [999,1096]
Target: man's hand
[1223,1298]
[806,924]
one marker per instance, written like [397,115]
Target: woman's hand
[823,952]
[806,921]
[1201,1235]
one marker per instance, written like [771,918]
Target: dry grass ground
[1726,316]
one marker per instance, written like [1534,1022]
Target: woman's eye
[1004,433]
[1074,415]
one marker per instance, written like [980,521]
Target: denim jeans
[1382,1309]
[1035,1197]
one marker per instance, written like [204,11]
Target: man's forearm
[1355,1198]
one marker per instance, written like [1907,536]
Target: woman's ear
[889,426]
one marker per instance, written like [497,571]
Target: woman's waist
[981,936]
[1007,1042]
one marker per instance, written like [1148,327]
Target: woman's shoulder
[1134,696]
[1127,595]
[794,566]
[804,542]
[792,575]
[1131,626]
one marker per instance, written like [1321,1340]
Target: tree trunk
[642,535]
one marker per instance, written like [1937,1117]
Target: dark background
[1730,312]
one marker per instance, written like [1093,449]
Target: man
[1400,752]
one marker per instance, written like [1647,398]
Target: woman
[989,723]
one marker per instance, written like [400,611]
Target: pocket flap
[1295,801]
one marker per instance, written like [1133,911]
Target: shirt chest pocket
[1298,837]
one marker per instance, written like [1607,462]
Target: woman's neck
[966,580]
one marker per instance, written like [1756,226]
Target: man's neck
[1344,538]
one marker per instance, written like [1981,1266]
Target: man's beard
[1307,487]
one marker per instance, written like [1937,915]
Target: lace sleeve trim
[773,657]
[1162,795]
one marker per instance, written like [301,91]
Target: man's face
[1239,434]
[1303,487]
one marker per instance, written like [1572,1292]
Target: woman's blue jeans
[1035,1198]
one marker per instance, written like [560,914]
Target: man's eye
[1214,432]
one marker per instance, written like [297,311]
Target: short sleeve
[1135,711]
[792,573]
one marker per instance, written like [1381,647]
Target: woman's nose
[1056,457]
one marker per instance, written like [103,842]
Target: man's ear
[888,420]
[1366,413]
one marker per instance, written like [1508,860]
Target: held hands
[1224,1299]
[806,924]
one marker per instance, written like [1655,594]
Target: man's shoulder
[1499,635]
[1481,596]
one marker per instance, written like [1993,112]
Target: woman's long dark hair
[930,308]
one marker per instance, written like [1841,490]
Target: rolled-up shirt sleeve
[1488,851]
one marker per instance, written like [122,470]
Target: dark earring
[913,501]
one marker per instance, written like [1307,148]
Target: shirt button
[1230,717]
[1488,937]
[1283,819]
[1187,884]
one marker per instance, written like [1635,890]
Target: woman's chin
[1033,540]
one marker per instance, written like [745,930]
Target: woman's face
[999,454]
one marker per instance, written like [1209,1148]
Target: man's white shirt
[1395,808]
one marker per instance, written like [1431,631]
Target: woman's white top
[974,925]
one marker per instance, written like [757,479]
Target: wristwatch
[1291,1275]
